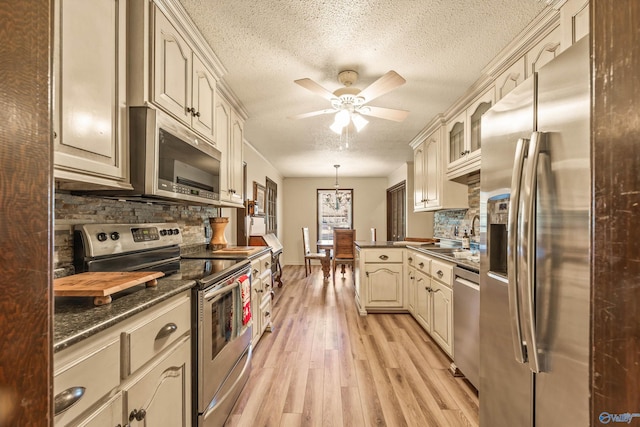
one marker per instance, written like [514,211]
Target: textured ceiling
[438,46]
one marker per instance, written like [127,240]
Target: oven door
[224,336]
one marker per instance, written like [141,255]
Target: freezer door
[562,241]
[506,386]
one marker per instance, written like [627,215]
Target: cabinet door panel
[418,178]
[442,327]
[163,392]
[384,285]
[423,301]
[204,95]
[89,89]
[433,175]
[172,69]
[108,415]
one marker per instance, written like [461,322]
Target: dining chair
[308,255]
[343,250]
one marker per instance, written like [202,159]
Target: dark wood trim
[397,216]
[26,214]
[615,41]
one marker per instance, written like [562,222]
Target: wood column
[26,228]
[615,373]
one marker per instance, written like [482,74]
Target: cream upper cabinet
[463,136]
[510,78]
[182,85]
[236,144]
[431,190]
[89,91]
[229,134]
[544,51]
[574,20]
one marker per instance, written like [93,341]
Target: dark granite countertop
[76,318]
[203,250]
[421,247]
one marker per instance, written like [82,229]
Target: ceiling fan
[350,103]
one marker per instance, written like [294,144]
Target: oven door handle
[219,291]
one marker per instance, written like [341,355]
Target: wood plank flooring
[325,365]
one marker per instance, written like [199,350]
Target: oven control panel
[108,239]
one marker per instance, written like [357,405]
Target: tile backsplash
[73,209]
[446,221]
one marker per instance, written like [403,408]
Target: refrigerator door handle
[513,248]
[528,256]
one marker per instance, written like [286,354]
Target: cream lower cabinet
[434,298]
[137,372]
[158,395]
[380,280]
[261,296]
[410,284]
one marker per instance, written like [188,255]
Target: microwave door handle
[512,250]
[528,231]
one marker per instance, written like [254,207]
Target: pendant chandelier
[339,196]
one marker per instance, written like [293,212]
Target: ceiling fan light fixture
[359,121]
[337,128]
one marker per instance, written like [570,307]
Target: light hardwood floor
[324,364]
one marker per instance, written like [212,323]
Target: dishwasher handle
[468,283]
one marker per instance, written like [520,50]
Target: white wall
[369,210]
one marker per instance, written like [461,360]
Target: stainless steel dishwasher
[466,321]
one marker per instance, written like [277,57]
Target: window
[271,221]
[335,210]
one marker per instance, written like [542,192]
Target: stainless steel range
[221,308]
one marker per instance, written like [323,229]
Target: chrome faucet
[473,226]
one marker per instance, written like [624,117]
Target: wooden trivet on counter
[101,285]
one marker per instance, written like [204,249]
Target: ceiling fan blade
[384,84]
[384,113]
[315,88]
[313,113]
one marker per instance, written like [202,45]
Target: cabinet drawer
[422,263]
[382,255]
[144,340]
[91,376]
[442,272]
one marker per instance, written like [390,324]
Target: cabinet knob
[383,257]
[197,114]
[255,272]
[421,265]
[137,415]
[409,259]
[440,273]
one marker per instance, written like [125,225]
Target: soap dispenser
[465,240]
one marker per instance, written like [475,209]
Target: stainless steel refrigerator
[535,203]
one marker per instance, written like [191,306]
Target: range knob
[176,231]
[169,232]
[115,235]
[163,232]
[102,237]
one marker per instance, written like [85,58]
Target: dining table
[326,246]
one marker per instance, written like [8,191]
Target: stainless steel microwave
[169,161]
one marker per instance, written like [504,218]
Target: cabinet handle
[421,265]
[191,110]
[440,273]
[137,415]
[267,313]
[409,259]
[273,295]
[266,264]
[255,272]
[383,257]
[197,114]
[67,398]
[166,330]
